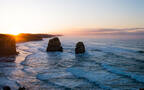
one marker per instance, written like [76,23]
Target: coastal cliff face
[7,45]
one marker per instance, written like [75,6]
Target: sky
[72,16]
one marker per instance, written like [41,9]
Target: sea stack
[54,45]
[7,45]
[80,48]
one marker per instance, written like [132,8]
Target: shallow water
[113,64]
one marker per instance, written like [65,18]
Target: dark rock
[80,48]
[7,45]
[141,51]
[21,88]
[6,88]
[67,89]
[54,45]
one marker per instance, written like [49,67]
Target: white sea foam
[97,78]
[121,71]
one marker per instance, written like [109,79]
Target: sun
[15,31]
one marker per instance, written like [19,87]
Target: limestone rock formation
[54,45]
[7,45]
[80,48]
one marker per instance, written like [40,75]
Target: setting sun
[15,31]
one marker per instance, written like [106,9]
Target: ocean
[107,64]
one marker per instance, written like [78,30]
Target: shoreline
[21,56]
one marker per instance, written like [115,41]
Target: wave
[125,56]
[61,79]
[92,77]
[48,76]
[107,49]
[137,77]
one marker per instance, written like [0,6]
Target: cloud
[124,31]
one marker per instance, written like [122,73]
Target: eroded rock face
[80,48]
[7,45]
[54,45]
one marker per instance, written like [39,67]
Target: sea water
[107,64]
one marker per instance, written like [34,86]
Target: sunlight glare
[15,31]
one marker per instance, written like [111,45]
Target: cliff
[7,45]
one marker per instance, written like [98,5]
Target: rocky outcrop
[54,45]
[7,45]
[6,88]
[141,51]
[80,48]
